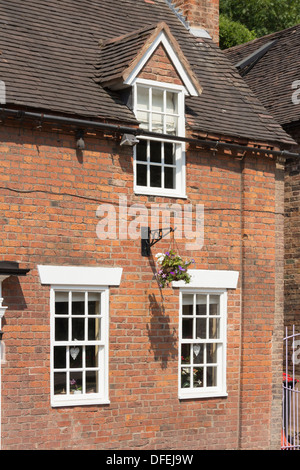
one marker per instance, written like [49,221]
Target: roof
[117,54]
[50,51]
[273,65]
[121,57]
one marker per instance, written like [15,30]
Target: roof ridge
[136,32]
[275,35]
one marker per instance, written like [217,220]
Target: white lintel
[210,279]
[80,275]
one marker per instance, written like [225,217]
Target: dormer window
[159,163]
[151,62]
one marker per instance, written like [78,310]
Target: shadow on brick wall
[163,340]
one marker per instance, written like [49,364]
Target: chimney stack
[202,16]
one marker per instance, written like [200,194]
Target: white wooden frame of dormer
[162,39]
[159,164]
[154,173]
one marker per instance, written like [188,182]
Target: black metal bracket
[146,241]
[1,334]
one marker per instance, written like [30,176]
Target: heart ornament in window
[74,352]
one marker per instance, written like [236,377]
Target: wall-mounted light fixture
[129,140]
[80,139]
[8,268]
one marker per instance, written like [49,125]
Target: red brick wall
[292,238]
[201,14]
[160,68]
[57,228]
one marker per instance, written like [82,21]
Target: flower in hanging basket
[172,268]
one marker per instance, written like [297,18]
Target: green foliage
[260,17]
[233,33]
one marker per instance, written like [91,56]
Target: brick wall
[292,238]
[160,68]
[55,223]
[201,14]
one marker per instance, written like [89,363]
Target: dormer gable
[123,59]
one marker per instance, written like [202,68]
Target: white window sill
[159,193]
[206,394]
[70,401]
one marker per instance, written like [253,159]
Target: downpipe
[2,312]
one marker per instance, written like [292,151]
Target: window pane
[211,377]
[185,377]
[187,304]
[157,123]
[94,330]
[201,304]
[60,357]
[201,328]
[91,357]
[142,98]
[157,100]
[211,353]
[186,354]
[76,382]
[214,328]
[171,125]
[169,178]
[92,381]
[155,152]
[141,177]
[172,103]
[61,329]
[198,377]
[60,383]
[214,301]
[143,118]
[141,151]
[61,303]
[78,303]
[187,328]
[77,329]
[155,176]
[198,353]
[169,153]
[76,357]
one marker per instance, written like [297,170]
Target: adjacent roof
[273,65]
[50,51]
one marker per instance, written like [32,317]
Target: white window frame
[102,397]
[206,392]
[180,178]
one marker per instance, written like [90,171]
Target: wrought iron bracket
[148,239]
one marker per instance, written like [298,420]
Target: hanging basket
[171,267]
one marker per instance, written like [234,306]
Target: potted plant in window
[171,267]
[74,387]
